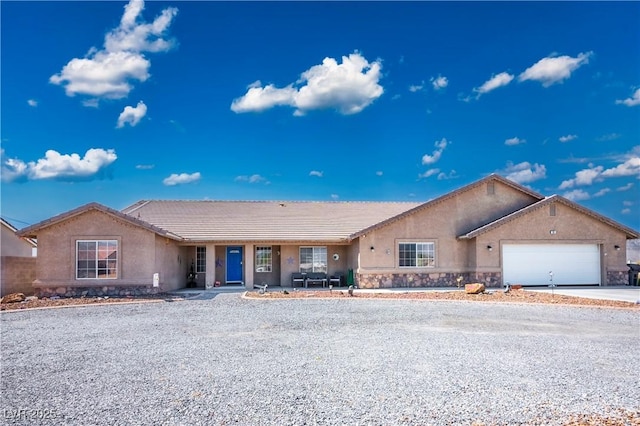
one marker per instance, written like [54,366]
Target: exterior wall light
[617,247]
[373,249]
[552,232]
[489,247]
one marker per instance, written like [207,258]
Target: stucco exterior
[468,229]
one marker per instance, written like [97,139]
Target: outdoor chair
[336,279]
[297,280]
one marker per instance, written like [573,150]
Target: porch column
[248,266]
[210,275]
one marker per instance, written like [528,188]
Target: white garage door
[571,264]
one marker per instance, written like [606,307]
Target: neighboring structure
[17,261]
[492,231]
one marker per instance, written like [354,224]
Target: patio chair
[297,280]
[336,278]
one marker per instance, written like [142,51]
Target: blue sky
[115,102]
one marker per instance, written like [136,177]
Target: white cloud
[132,115]
[608,137]
[379,173]
[108,73]
[601,192]
[334,196]
[625,187]
[576,195]
[428,173]
[443,176]
[632,101]
[437,153]
[567,138]
[32,103]
[493,83]
[583,177]
[416,87]
[514,141]
[56,166]
[255,178]
[348,87]
[630,167]
[145,166]
[552,70]
[625,211]
[316,173]
[182,178]
[439,82]
[628,203]
[525,172]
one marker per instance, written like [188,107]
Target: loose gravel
[229,360]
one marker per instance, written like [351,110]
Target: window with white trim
[264,258]
[201,260]
[417,255]
[313,259]
[96,259]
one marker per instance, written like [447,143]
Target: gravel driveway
[227,360]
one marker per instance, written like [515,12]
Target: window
[97,259]
[201,260]
[263,259]
[552,210]
[491,188]
[417,255]
[313,259]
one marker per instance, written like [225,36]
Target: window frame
[427,250]
[316,255]
[201,259]
[266,261]
[110,264]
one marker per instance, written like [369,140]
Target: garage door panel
[571,264]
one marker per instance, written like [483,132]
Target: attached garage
[571,264]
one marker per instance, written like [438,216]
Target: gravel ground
[227,360]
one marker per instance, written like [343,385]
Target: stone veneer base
[114,291]
[441,279]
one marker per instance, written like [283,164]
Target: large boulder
[13,298]
[475,288]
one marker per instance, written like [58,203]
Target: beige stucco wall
[12,245]
[441,223]
[141,253]
[570,226]
[17,274]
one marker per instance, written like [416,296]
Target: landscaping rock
[13,298]
[475,288]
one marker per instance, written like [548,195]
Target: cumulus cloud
[428,173]
[625,187]
[514,141]
[602,192]
[180,179]
[32,103]
[493,83]
[554,69]
[525,172]
[110,71]
[576,195]
[567,138]
[444,176]
[255,178]
[56,166]
[437,153]
[416,87]
[348,87]
[439,82]
[630,167]
[132,115]
[632,101]
[316,173]
[583,177]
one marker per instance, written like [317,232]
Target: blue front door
[234,264]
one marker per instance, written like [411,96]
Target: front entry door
[234,264]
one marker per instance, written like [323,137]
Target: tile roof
[265,220]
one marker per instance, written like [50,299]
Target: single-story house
[493,231]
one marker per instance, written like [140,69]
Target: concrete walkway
[621,293]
